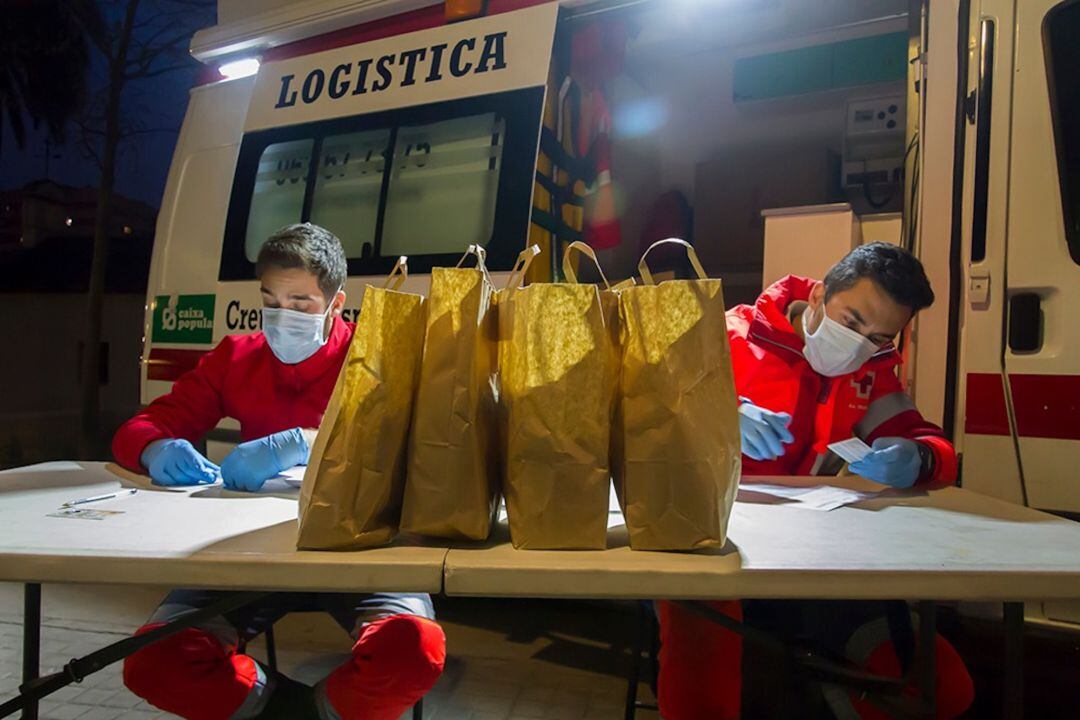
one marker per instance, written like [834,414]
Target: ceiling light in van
[239,68]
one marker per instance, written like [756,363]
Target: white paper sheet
[821,497]
[851,450]
[615,516]
[293,476]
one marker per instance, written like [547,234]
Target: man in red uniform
[277,384]
[814,363]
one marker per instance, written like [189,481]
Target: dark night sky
[144,160]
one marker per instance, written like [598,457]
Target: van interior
[722,110]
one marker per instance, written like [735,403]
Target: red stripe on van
[1046,406]
[422,19]
[984,412]
[412,21]
[168,364]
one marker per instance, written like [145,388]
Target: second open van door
[1021,341]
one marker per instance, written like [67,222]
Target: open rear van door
[1042,353]
[990,461]
[1021,336]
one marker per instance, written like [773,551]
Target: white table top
[194,537]
[939,545]
[945,544]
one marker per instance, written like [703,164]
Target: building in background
[44,210]
[46,248]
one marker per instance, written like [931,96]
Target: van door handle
[979,288]
[1025,323]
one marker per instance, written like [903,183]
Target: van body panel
[192,302]
[188,236]
[1016,407]
[936,139]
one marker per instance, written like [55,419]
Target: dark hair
[308,247]
[895,270]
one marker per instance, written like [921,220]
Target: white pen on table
[97,498]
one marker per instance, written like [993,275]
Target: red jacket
[771,372]
[242,379]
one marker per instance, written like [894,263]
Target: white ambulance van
[408,134]
[401,143]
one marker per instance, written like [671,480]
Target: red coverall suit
[197,673]
[700,673]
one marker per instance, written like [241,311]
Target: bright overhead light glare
[239,68]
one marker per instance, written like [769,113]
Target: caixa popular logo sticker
[183,319]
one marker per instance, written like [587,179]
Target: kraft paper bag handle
[568,267]
[643,268]
[521,266]
[480,254]
[397,276]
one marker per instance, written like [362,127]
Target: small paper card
[851,450]
[75,513]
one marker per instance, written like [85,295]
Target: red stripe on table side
[1046,406]
[412,21]
[169,364]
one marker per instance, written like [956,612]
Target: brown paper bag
[352,490]
[501,313]
[452,478]
[558,372]
[679,468]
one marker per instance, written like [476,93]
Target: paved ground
[504,665]
[509,660]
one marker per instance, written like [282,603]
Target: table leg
[271,648]
[1014,660]
[31,642]
[630,706]
[927,659]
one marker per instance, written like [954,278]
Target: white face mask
[295,336]
[834,350]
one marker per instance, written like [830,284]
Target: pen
[96,498]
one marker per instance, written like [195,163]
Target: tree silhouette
[140,40]
[44,63]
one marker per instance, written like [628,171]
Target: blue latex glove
[177,462]
[253,463]
[764,432]
[895,462]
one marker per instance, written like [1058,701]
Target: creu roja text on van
[238,317]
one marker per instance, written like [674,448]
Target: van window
[425,182]
[348,185]
[444,184]
[1063,57]
[278,197]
